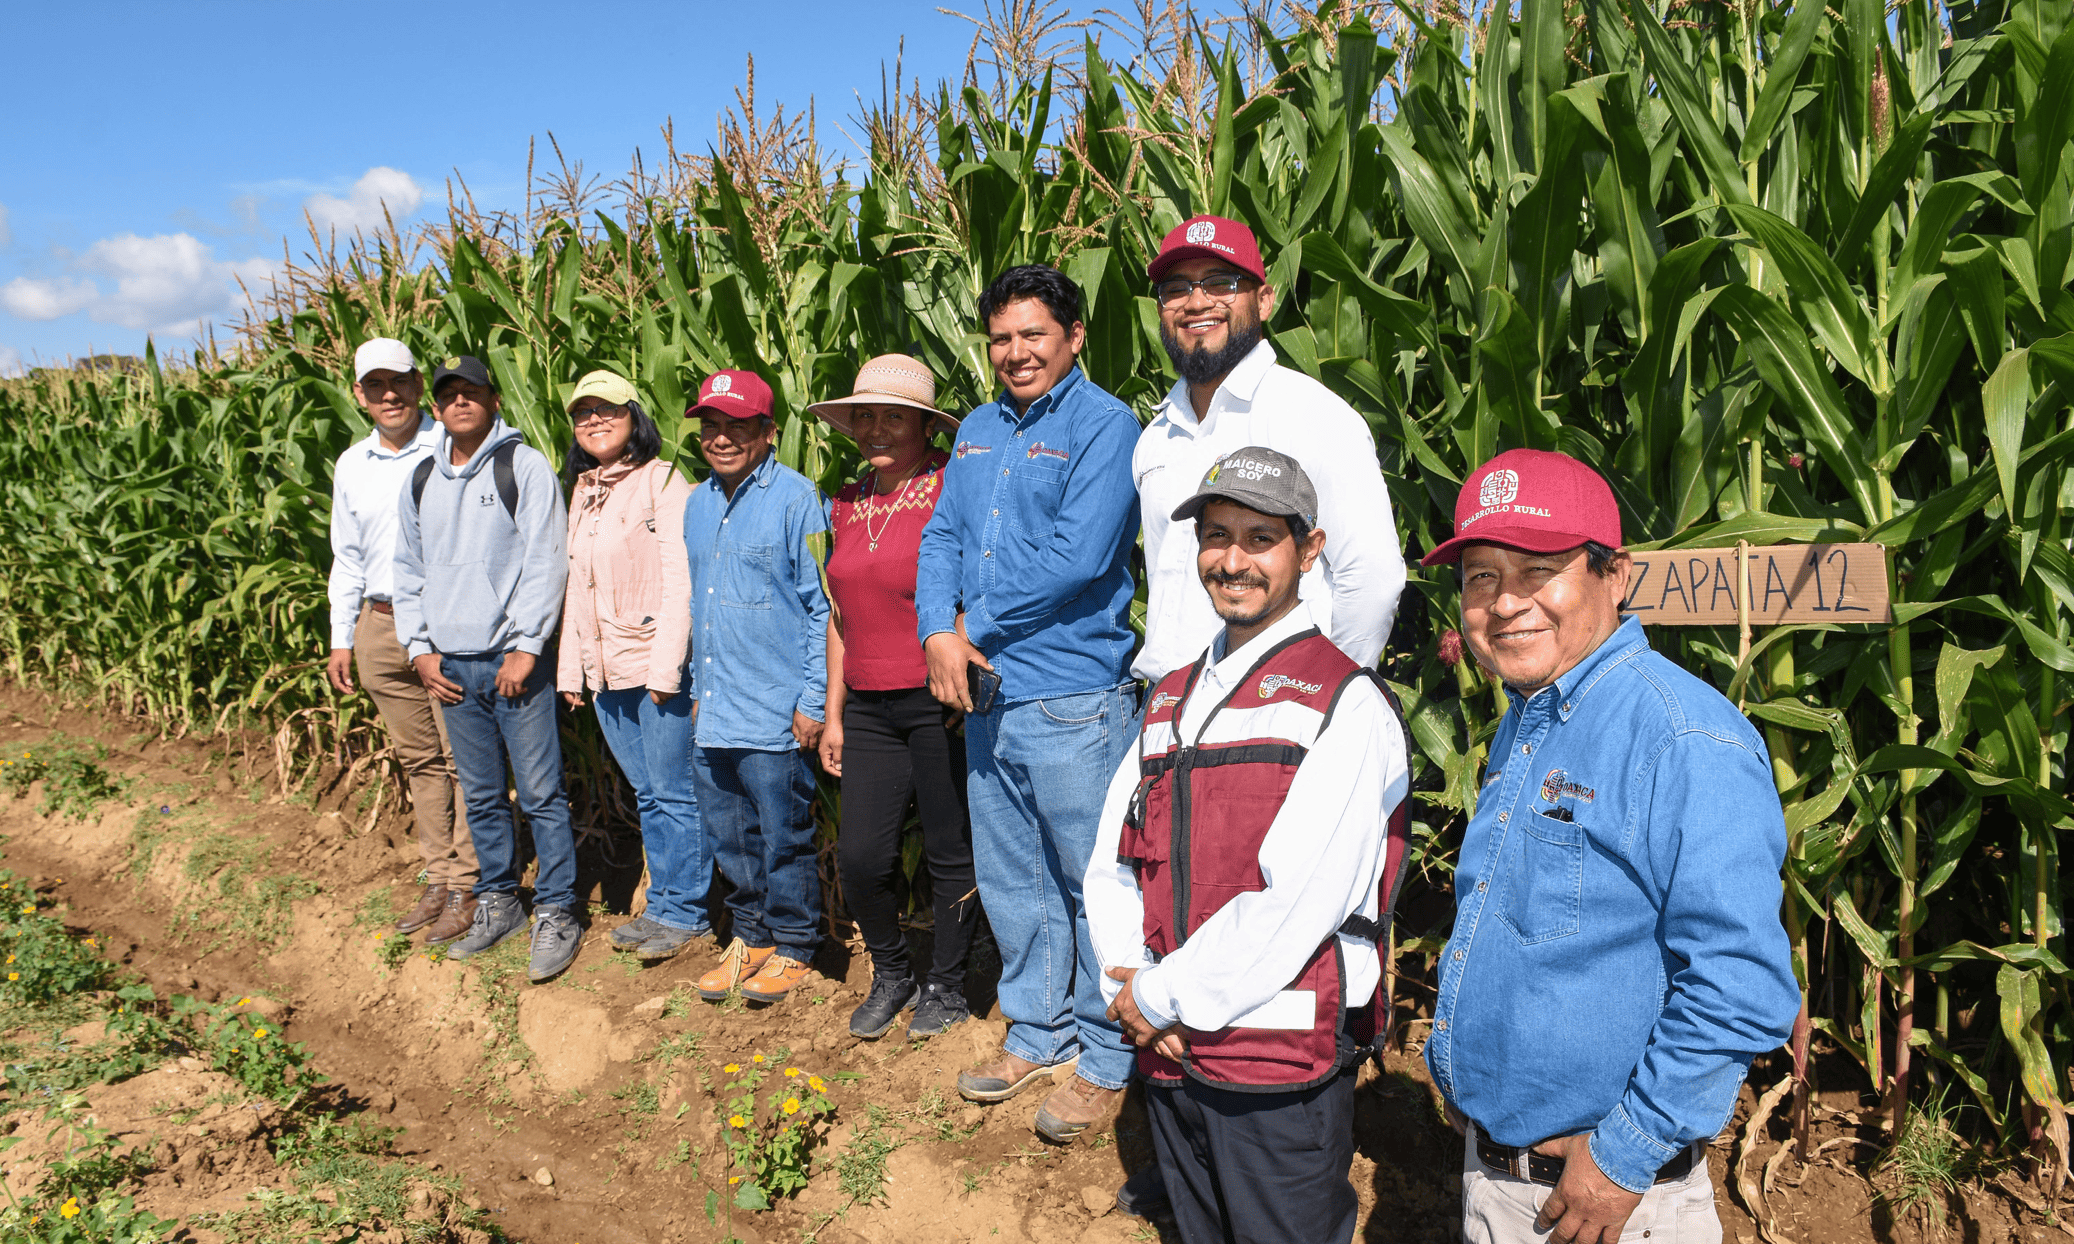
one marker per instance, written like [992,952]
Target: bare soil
[426,1046]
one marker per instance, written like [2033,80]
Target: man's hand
[949,654]
[1167,1042]
[806,732]
[574,699]
[512,675]
[659,698]
[1586,1207]
[339,669]
[443,690]
[832,748]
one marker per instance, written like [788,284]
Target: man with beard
[1214,303]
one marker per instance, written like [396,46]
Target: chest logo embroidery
[1275,682]
[1042,450]
[1162,700]
[483,498]
[967,447]
[1557,785]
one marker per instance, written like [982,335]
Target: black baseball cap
[462,367]
[1259,479]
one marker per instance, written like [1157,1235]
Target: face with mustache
[1207,337]
[1250,564]
[1531,617]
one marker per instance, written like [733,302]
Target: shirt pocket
[1038,488]
[1544,892]
[745,576]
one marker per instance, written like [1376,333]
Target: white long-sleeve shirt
[364,486]
[1322,861]
[1260,403]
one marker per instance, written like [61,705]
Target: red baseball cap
[1209,237]
[1532,500]
[736,394]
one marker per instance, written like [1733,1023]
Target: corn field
[1781,273]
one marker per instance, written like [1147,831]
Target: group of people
[1187,847]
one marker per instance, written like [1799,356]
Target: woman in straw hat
[888,739]
[626,636]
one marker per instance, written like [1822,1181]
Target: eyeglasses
[1219,287]
[594,414]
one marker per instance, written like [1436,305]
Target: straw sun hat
[888,380]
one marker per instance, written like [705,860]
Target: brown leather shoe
[781,974]
[430,904]
[736,962]
[1073,1107]
[1001,1079]
[454,921]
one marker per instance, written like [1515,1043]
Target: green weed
[74,779]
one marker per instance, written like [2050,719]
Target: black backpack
[500,465]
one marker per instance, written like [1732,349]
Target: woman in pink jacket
[626,635]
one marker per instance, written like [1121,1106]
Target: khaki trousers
[1500,1209]
[419,734]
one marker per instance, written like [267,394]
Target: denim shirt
[1617,956]
[1032,539]
[757,607]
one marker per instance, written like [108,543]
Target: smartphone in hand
[983,684]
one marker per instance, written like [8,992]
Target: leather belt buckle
[1524,1163]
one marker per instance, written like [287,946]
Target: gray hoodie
[471,578]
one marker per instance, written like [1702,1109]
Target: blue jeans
[652,743]
[487,732]
[756,807]
[1038,771]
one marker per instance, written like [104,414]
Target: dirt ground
[586,1111]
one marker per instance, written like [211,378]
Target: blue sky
[157,151]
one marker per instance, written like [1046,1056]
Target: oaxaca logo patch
[723,384]
[1202,231]
[967,447]
[1275,682]
[1162,700]
[1042,450]
[1498,488]
[1557,785]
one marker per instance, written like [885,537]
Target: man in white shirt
[1249,853]
[1214,303]
[365,485]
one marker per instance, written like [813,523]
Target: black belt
[1521,1162]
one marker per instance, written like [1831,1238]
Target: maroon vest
[1193,836]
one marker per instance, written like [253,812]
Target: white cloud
[10,363]
[6,235]
[362,206]
[31,298]
[168,284]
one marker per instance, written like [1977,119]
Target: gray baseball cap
[1259,479]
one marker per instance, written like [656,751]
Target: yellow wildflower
[791,1071]
[70,1208]
[792,1105]
[10,958]
[734,1179]
[815,1083]
[731,1068]
[259,1035]
[735,1120]
[757,1059]
[91,942]
[244,1001]
[14,976]
[28,909]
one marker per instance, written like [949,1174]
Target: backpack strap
[1397,841]
[418,480]
[507,478]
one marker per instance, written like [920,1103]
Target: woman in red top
[887,738]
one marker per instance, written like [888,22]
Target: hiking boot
[498,917]
[890,995]
[940,1007]
[666,943]
[1072,1108]
[780,975]
[1144,1194]
[430,904]
[556,939]
[736,962]
[1001,1079]
[633,933]
[454,919]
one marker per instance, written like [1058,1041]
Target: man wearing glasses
[1214,304]
[364,486]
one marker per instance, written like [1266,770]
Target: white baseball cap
[382,354]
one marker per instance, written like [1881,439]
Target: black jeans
[896,747]
[1257,1168]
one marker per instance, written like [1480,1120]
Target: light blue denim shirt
[1032,539]
[1617,957]
[757,608]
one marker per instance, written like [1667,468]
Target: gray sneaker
[633,933]
[556,939]
[667,942]
[497,918]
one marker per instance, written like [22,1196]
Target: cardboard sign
[1788,583]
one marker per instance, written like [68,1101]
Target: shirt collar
[1627,640]
[1045,402]
[1242,382]
[427,438]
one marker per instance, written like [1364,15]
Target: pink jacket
[626,621]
